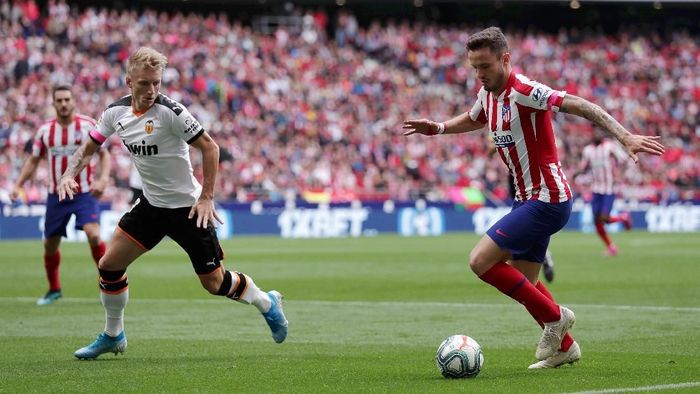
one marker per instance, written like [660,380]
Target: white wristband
[441,128]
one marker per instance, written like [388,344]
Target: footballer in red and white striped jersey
[58,140]
[601,157]
[520,122]
[518,114]
[58,143]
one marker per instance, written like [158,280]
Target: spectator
[306,111]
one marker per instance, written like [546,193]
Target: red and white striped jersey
[59,143]
[601,159]
[520,123]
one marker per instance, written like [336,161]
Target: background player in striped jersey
[600,157]
[57,140]
[517,112]
[158,132]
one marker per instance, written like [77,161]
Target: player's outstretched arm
[28,170]
[204,207]
[633,143]
[459,124]
[81,158]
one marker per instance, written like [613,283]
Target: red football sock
[51,264]
[98,251]
[600,228]
[613,219]
[513,283]
[568,339]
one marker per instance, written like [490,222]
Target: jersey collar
[509,84]
[137,113]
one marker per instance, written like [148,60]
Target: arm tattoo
[77,162]
[603,120]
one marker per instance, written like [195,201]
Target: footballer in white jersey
[158,131]
[158,142]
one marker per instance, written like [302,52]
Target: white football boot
[553,333]
[559,358]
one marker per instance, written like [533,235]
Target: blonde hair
[148,58]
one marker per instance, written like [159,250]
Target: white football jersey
[158,142]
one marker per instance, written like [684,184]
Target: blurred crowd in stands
[311,106]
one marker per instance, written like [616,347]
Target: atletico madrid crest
[505,113]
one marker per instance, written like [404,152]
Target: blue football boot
[103,344]
[275,317]
[49,298]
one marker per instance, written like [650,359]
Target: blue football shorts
[526,229]
[83,205]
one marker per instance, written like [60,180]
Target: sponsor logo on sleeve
[537,94]
[192,125]
[540,95]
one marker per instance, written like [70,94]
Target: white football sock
[253,295]
[114,305]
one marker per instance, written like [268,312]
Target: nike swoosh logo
[501,233]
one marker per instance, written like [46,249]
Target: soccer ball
[459,356]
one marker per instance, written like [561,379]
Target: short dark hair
[492,38]
[60,87]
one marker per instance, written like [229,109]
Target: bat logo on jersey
[149,127]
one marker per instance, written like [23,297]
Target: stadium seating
[317,113]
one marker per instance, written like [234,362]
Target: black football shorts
[147,225]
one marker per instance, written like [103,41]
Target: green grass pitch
[366,315]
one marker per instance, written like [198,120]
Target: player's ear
[506,58]
[128,81]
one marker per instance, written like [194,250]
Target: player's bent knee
[476,261]
[212,285]
[481,261]
[106,263]
[211,289]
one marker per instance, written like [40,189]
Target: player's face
[491,69]
[63,103]
[144,84]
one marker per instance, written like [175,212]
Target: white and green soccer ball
[459,356]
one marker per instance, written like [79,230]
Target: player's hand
[67,187]
[635,143]
[15,193]
[98,188]
[420,126]
[206,213]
